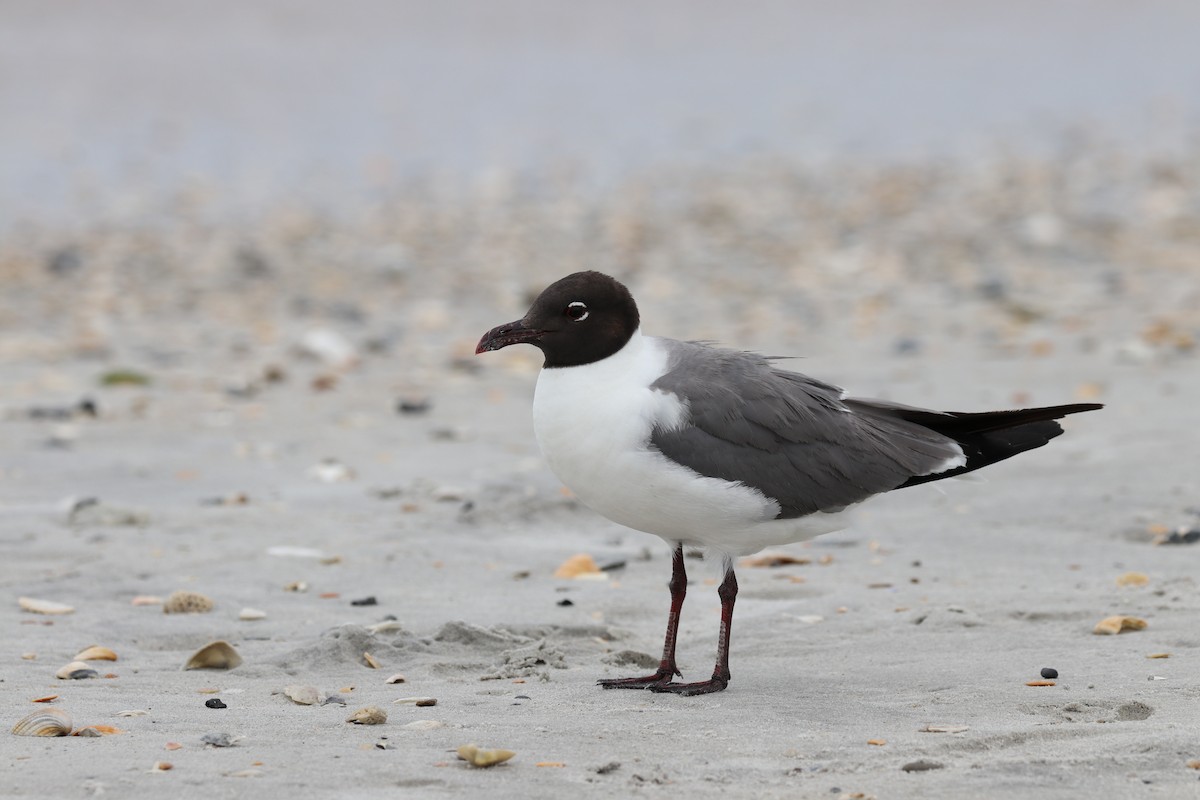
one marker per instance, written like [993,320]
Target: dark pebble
[1183,537]
[922,766]
[413,405]
[215,703]
[1049,673]
[611,766]
[365,601]
[566,601]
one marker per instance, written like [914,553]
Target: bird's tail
[989,436]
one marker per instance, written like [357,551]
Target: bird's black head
[580,319]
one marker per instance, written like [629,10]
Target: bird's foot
[661,678]
[713,684]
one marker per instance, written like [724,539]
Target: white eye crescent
[576,311]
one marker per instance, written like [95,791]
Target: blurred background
[224,177]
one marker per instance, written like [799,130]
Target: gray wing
[791,437]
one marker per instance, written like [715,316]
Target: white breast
[593,423]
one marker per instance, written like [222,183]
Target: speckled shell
[187,603]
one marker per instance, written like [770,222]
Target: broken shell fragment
[97,730]
[162,766]
[1113,625]
[773,560]
[187,603]
[76,671]
[483,758]
[397,678]
[96,653]
[249,614]
[36,606]
[368,715]
[578,566]
[44,722]
[302,695]
[415,701]
[215,655]
[1133,579]
[371,661]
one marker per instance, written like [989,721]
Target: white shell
[214,655]
[397,678]
[415,701]
[251,614]
[303,695]
[44,722]
[76,670]
[36,606]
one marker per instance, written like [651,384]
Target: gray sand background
[289,219]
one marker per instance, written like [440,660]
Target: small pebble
[566,601]
[413,405]
[215,702]
[365,601]
[1049,673]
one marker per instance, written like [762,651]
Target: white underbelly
[594,429]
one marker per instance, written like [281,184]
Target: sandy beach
[275,403]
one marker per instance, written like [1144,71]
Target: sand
[289,418]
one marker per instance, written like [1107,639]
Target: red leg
[666,668]
[720,676]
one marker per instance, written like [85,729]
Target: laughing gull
[721,449]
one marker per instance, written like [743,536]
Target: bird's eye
[577,311]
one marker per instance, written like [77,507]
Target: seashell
[424,725]
[172,746]
[187,603]
[483,758]
[214,655]
[296,586]
[1133,579]
[248,614]
[368,715]
[577,566]
[397,678]
[303,695]
[50,698]
[97,730]
[1118,624]
[44,722]
[96,653]
[75,671]
[768,560]
[387,626]
[162,766]
[220,739]
[146,600]
[133,712]
[36,606]
[371,661]
[415,701]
